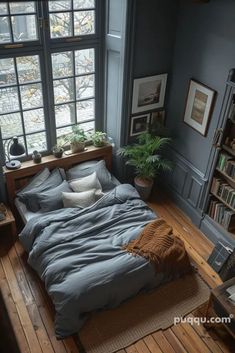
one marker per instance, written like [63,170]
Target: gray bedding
[78,254]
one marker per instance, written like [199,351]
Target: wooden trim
[16,179]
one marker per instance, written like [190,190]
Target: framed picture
[139,124]
[148,93]
[158,117]
[199,106]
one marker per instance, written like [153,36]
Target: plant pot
[144,187]
[58,154]
[77,146]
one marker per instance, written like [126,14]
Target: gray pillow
[36,181]
[86,183]
[31,196]
[79,199]
[87,168]
[52,199]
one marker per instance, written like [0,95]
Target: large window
[49,52]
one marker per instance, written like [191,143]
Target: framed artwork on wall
[199,105]
[148,93]
[139,124]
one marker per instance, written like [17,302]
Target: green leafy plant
[78,135]
[145,155]
[98,138]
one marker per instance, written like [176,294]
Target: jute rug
[111,330]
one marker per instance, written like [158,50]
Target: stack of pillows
[81,186]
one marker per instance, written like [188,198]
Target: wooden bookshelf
[229,150]
[225,203]
[226,176]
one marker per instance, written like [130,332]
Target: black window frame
[46,46]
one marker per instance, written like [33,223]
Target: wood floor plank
[141,347]
[206,337]
[152,345]
[14,318]
[131,349]
[162,342]
[184,338]
[195,339]
[39,296]
[21,308]
[174,341]
[30,303]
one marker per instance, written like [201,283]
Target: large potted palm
[145,156]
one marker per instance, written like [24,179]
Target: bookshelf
[221,200]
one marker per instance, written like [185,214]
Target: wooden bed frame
[16,179]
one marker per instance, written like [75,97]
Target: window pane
[22,7]
[4,30]
[7,72]
[62,64]
[36,142]
[85,86]
[31,95]
[83,4]
[88,126]
[59,5]
[3,8]
[34,120]
[28,68]
[62,134]
[85,110]
[8,100]
[63,90]
[11,125]
[84,61]
[65,114]
[24,28]
[60,25]
[84,22]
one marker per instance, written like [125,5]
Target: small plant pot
[77,146]
[58,154]
[144,187]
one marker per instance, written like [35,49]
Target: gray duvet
[78,254]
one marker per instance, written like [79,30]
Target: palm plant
[145,156]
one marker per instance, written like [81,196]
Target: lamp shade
[16,149]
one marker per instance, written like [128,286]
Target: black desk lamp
[16,149]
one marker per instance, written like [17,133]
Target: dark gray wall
[204,50]
[155,27]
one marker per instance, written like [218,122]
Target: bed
[78,252]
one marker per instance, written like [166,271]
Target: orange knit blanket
[159,245]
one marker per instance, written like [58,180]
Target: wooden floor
[31,312]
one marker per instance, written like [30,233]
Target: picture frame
[139,124]
[148,93]
[158,117]
[199,106]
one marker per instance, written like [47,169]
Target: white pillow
[79,199]
[87,183]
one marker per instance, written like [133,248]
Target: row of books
[224,159]
[223,190]
[221,214]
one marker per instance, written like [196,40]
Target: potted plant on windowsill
[145,157]
[98,138]
[77,139]
[58,150]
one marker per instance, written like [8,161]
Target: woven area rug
[111,330]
